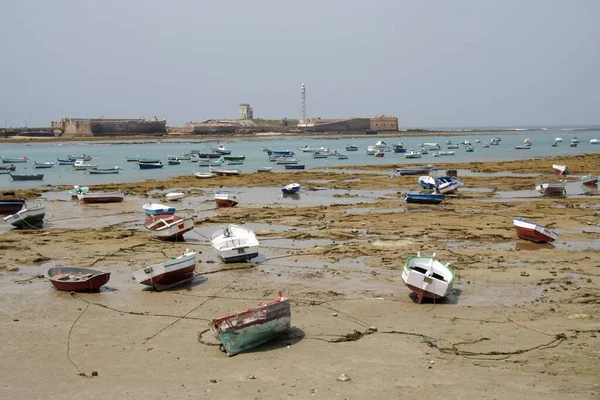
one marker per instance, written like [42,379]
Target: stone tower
[246,111]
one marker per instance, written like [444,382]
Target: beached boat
[104,171]
[168,227]
[294,166]
[427,182]
[413,154]
[589,180]
[264,169]
[27,217]
[533,232]
[452,172]
[149,165]
[225,199]
[560,169]
[552,189]
[170,273]
[251,328]
[203,175]
[447,184]
[99,197]
[291,188]
[225,171]
[11,160]
[235,243]
[83,165]
[72,279]
[351,147]
[424,198]
[158,209]
[11,206]
[174,196]
[26,177]
[78,189]
[415,170]
[427,277]
[48,164]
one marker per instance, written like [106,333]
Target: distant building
[107,127]
[246,112]
[383,123]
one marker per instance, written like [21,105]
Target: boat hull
[169,227]
[94,283]
[171,273]
[533,232]
[551,189]
[27,218]
[96,198]
[11,206]
[424,198]
[427,277]
[33,177]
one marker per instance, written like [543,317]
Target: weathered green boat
[234,158]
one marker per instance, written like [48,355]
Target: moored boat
[173,161]
[150,165]
[552,188]
[48,164]
[84,157]
[168,227]
[287,160]
[594,141]
[251,328]
[534,232]
[27,217]
[221,149]
[264,169]
[26,177]
[351,147]
[11,160]
[170,273]
[158,209]
[234,158]
[99,197]
[225,171]
[72,279]
[104,171]
[424,198]
[399,148]
[225,199]
[413,154]
[83,165]
[427,277]
[62,161]
[7,168]
[235,243]
[203,175]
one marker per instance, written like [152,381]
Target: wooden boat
[291,188]
[9,160]
[83,157]
[447,184]
[351,147]
[67,161]
[589,180]
[225,171]
[452,146]
[427,277]
[427,182]
[183,157]
[104,171]
[224,199]
[30,177]
[251,328]
[209,162]
[169,273]
[7,168]
[295,166]
[72,279]
[533,232]
[209,155]
[76,190]
[415,170]
[264,169]
[399,148]
[235,243]
[83,165]
[93,198]
[424,198]
[523,147]
[307,149]
[32,217]
[221,149]
[413,154]
[174,161]
[146,160]
[234,158]
[560,169]
[431,146]
[158,209]
[233,162]
[174,196]
[446,153]
[168,227]
[48,164]
[287,160]
[552,189]
[203,175]
[11,206]
[148,165]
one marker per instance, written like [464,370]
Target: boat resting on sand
[552,189]
[11,206]
[427,277]
[224,199]
[589,180]
[225,171]
[533,232]
[170,273]
[168,227]
[32,217]
[251,328]
[560,169]
[235,243]
[203,175]
[78,189]
[158,209]
[424,198]
[99,197]
[72,279]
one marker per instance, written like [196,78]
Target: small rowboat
[43,164]
[589,180]
[8,160]
[291,188]
[31,177]
[174,196]
[168,227]
[235,243]
[264,169]
[224,171]
[203,175]
[7,168]
[158,209]
[170,273]
[92,198]
[533,232]
[148,165]
[174,161]
[552,189]
[104,171]
[427,277]
[76,190]
[73,279]
[11,206]
[32,217]
[224,199]
[295,166]
[560,169]
[424,198]
[65,161]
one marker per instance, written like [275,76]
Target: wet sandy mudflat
[522,320]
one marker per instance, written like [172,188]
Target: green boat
[234,158]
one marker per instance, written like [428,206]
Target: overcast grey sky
[430,63]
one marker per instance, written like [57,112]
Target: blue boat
[424,198]
[399,148]
[62,161]
[154,165]
[294,166]
[427,182]
[281,153]
[291,188]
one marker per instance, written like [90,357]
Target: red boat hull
[533,235]
[225,203]
[423,293]
[11,206]
[171,278]
[90,285]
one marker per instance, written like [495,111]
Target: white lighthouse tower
[303,105]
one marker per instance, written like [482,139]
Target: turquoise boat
[251,328]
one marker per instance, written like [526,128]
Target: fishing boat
[62,161]
[83,157]
[235,243]
[447,184]
[264,169]
[26,177]
[78,189]
[209,162]
[225,199]
[291,188]
[560,169]
[9,160]
[11,206]
[252,327]
[168,227]
[452,146]
[413,154]
[594,141]
[7,168]
[415,170]
[589,180]
[99,197]
[445,153]
[552,189]
[158,209]
[399,148]
[371,150]
[533,232]
[287,160]
[27,217]
[351,147]
[221,149]
[225,171]
[173,161]
[174,196]
[104,171]
[48,164]
[149,165]
[203,175]
[523,147]
[379,153]
[175,271]
[306,149]
[427,182]
[424,198]
[427,277]
[72,279]
[83,165]
[295,166]
[234,158]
